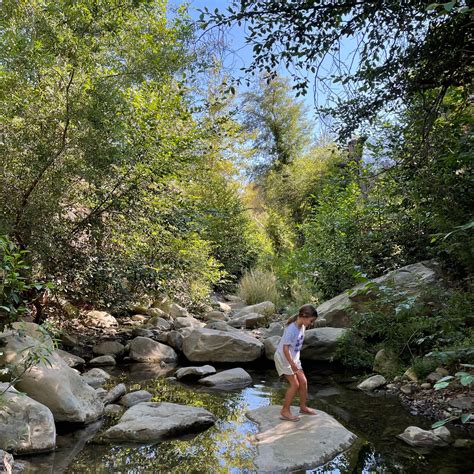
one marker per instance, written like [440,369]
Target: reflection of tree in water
[218,449]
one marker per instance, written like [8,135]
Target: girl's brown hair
[306,311]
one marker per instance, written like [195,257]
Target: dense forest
[133,165]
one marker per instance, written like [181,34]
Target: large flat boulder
[410,280]
[26,426]
[151,422]
[195,372]
[209,345]
[286,446]
[321,343]
[50,381]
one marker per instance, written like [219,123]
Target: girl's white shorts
[282,365]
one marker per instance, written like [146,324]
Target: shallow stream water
[227,447]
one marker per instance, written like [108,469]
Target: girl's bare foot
[307,411]
[287,416]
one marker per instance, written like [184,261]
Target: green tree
[97,145]
[278,124]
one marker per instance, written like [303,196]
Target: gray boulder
[133,398]
[215,316]
[228,379]
[151,422]
[275,329]
[175,340]
[177,311]
[52,383]
[143,349]
[26,426]
[411,279]
[321,343]
[386,362]
[102,361]
[271,344]
[195,372]
[187,322]
[113,348]
[159,323]
[415,436]
[249,321]
[372,383]
[115,393]
[100,319]
[95,377]
[285,446]
[265,308]
[208,345]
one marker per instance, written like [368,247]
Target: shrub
[17,291]
[257,286]
[433,323]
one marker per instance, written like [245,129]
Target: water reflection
[227,446]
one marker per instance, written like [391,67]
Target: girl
[287,361]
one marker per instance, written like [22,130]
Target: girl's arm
[286,351]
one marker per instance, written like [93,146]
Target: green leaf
[440,385]
[440,423]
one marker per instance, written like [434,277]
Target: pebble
[425,386]
[406,389]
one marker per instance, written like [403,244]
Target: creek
[227,446]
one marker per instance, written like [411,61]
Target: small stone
[406,389]
[140,318]
[102,361]
[372,383]
[464,443]
[442,371]
[425,386]
[391,386]
[463,403]
[101,392]
[415,436]
[433,377]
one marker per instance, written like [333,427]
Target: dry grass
[257,286]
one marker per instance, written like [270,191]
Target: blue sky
[240,55]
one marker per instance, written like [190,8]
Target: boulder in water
[285,446]
[152,422]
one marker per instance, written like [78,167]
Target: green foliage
[278,124]
[257,286]
[410,327]
[17,290]
[463,378]
[107,178]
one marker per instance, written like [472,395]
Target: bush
[17,291]
[434,323]
[257,286]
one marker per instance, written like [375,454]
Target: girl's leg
[290,394]
[303,388]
